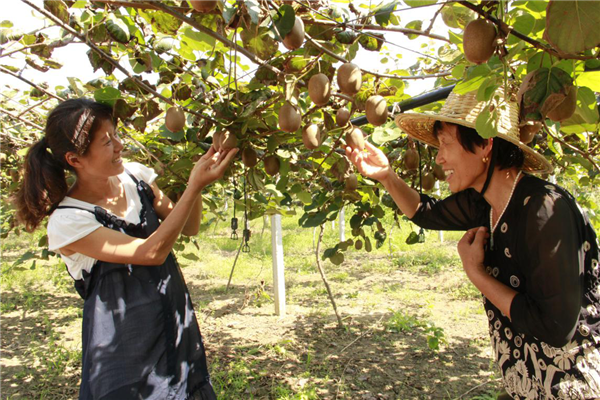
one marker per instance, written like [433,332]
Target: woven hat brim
[420,127]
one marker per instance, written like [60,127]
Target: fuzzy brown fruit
[351,183]
[311,136]
[428,182]
[439,173]
[566,108]
[319,89]
[175,119]
[376,110]
[203,6]
[479,41]
[218,140]
[295,37]
[289,118]
[528,131]
[342,116]
[228,141]
[271,165]
[411,159]
[349,78]
[249,157]
[355,139]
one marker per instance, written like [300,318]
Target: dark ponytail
[44,183]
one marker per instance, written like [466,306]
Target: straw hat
[463,110]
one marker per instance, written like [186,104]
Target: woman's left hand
[470,249]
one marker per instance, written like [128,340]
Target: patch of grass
[465,291]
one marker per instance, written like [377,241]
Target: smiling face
[103,156]
[464,169]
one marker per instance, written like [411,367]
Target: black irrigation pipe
[411,103]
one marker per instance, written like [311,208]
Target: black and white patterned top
[546,249]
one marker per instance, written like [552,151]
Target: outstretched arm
[112,246]
[372,163]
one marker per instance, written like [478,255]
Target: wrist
[388,178]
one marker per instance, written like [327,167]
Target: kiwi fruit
[351,183]
[175,119]
[228,141]
[203,6]
[289,118]
[479,41]
[355,139]
[295,37]
[349,78]
[249,157]
[411,159]
[528,131]
[319,89]
[377,110]
[439,173]
[271,165]
[342,116]
[311,136]
[218,140]
[428,181]
[358,244]
[566,108]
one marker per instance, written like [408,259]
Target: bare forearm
[405,197]
[192,226]
[159,244]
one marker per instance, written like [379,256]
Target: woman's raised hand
[210,167]
[371,163]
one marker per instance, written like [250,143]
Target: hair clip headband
[81,138]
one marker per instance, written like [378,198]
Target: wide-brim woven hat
[463,109]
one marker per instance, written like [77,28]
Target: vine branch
[41,89]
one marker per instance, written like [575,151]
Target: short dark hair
[508,155]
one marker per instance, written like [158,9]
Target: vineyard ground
[395,303]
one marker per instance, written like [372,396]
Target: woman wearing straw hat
[528,247]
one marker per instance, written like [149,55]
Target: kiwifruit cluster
[175,119]
[479,41]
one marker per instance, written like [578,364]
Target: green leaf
[107,95]
[572,26]
[416,25]
[258,41]
[117,29]
[304,197]
[25,257]
[165,23]
[371,41]
[284,20]
[345,37]
[385,133]
[419,3]
[412,238]
[457,16]
[337,258]
[486,123]
[475,77]
[254,11]
[190,256]
[590,79]
[6,24]
[384,13]
[546,88]
[58,8]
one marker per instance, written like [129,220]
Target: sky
[76,64]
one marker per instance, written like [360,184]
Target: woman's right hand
[372,163]
[210,167]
